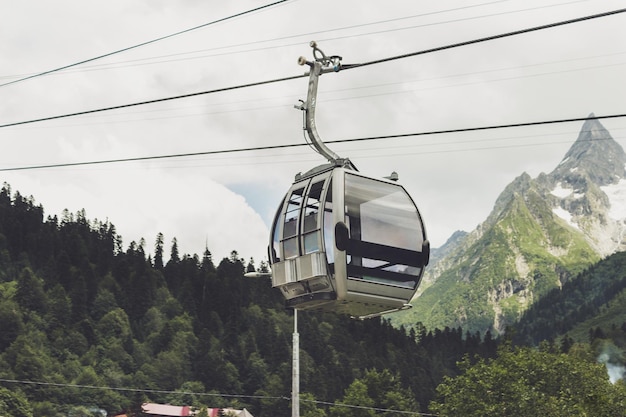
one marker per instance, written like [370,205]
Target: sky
[226,201]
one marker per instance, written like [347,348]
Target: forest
[580,299]
[89,324]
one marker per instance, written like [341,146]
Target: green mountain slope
[522,253]
[595,299]
[540,234]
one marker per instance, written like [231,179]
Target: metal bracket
[319,66]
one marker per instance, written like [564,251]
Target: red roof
[176,411]
[165,409]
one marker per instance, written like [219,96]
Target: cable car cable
[137,62]
[223,19]
[141,103]
[294,145]
[95,67]
[116,65]
[479,128]
[361,88]
[343,67]
[487,38]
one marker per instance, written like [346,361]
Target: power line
[146,390]
[293,145]
[363,407]
[223,19]
[344,67]
[156,391]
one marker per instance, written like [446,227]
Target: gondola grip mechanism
[320,65]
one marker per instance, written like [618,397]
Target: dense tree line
[580,299]
[86,322]
[524,381]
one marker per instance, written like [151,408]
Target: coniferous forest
[90,323]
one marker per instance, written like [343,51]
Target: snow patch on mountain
[610,236]
[561,192]
[565,215]
[564,192]
[617,199]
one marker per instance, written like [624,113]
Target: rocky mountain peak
[540,233]
[595,155]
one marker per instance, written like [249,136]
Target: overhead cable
[363,407]
[344,67]
[293,145]
[146,390]
[138,62]
[156,391]
[159,100]
[223,19]
[95,67]
[486,39]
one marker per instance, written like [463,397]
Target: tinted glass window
[385,211]
[382,214]
[290,227]
[312,218]
[329,226]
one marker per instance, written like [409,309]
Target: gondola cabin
[347,243]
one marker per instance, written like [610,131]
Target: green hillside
[524,251]
[540,234]
[593,300]
[610,319]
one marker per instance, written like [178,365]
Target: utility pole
[295,371]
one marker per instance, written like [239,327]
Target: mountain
[541,233]
[590,187]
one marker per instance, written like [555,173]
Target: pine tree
[158,252]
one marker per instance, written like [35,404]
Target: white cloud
[454,178]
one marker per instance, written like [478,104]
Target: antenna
[320,65]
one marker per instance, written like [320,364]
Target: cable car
[342,241]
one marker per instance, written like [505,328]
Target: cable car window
[290,228]
[386,230]
[290,248]
[311,243]
[311,216]
[274,255]
[329,226]
[312,206]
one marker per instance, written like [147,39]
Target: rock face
[540,233]
[594,155]
[591,189]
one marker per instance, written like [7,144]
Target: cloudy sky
[226,200]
